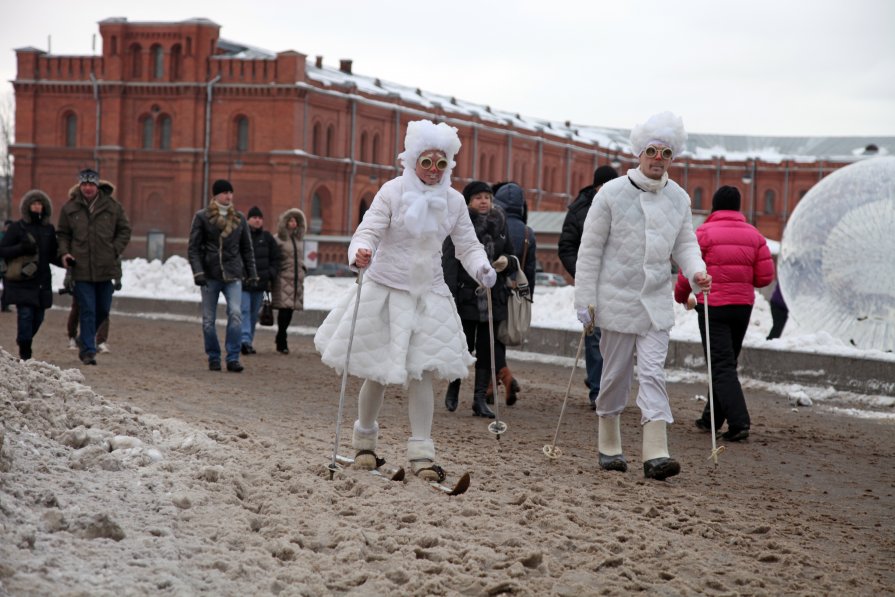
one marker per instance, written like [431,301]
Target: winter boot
[282,345]
[364,441]
[452,396]
[657,464]
[510,385]
[479,406]
[25,350]
[609,444]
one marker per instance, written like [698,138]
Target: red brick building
[169,107]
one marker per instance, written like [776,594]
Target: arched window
[175,62]
[242,133]
[71,130]
[374,157]
[147,125]
[697,198]
[164,132]
[363,146]
[316,215]
[158,62]
[364,206]
[136,60]
[769,200]
[316,139]
[330,140]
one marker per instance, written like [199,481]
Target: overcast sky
[754,67]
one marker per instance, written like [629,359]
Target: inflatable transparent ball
[837,256]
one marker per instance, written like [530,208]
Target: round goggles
[426,163]
[652,151]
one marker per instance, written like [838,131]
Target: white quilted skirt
[397,336]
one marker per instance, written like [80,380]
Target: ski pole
[334,466]
[550,450]
[497,426]
[708,358]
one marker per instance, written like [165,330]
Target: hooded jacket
[267,260]
[220,246]
[510,197]
[288,286]
[36,291]
[623,266]
[95,234]
[737,258]
[491,230]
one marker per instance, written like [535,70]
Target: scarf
[646,183]
[224,217]
[424,205]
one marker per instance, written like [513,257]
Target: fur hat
[425,134]
[726,198]
[664,127]
[604,174]
[474,188]
[255,212]
[221,186]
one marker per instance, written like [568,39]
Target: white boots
[657,464]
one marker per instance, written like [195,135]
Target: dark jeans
[94,302]
[479,340]
[593,361]
[74,314]
[727,328]
[779,315]
[29,320]
[284,318]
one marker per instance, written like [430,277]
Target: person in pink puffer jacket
[738,259]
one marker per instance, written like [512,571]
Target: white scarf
[646,183]
[424,205]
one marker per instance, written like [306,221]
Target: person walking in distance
[635,223]
[490,227]
[93,233]
[267,265]
[34,238]
[569,242]
[221,257]
[738,259]
[288,286]
[407,327]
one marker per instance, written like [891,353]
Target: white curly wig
[425,134]
[664,127]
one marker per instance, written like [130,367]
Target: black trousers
[284,318]
[478,341]
[779,315]
[727,328]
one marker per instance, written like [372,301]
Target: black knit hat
[221,186]
[475,187]
[255,212]
[88,175]
[726,198]
[604,174]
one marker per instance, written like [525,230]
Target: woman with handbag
[29,247]
[288,286]
[491,229]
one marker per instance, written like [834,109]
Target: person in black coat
[35,237]
[267,264]
[569,241]
[491,229]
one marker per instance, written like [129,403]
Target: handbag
[21,268]
[512,330]
[265,317]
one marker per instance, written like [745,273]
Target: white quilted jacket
[623,266]
[413,264]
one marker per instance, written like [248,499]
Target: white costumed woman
[407,329]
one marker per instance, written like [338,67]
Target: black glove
[116,285]
[200,280]
[254,282]
[29,247]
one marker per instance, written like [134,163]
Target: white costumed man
[635,224]
[407,328]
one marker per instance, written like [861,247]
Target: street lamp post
[749,181]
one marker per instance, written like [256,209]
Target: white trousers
[420,406]
[618,351]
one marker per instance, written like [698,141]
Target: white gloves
[486,276]
[584,316]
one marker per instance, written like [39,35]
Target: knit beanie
[604,174]
[475,187]
[255,212]
[726,198]
[221,186]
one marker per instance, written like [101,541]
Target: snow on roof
[232,49]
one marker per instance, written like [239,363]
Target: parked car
[332,270]
[548,279]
